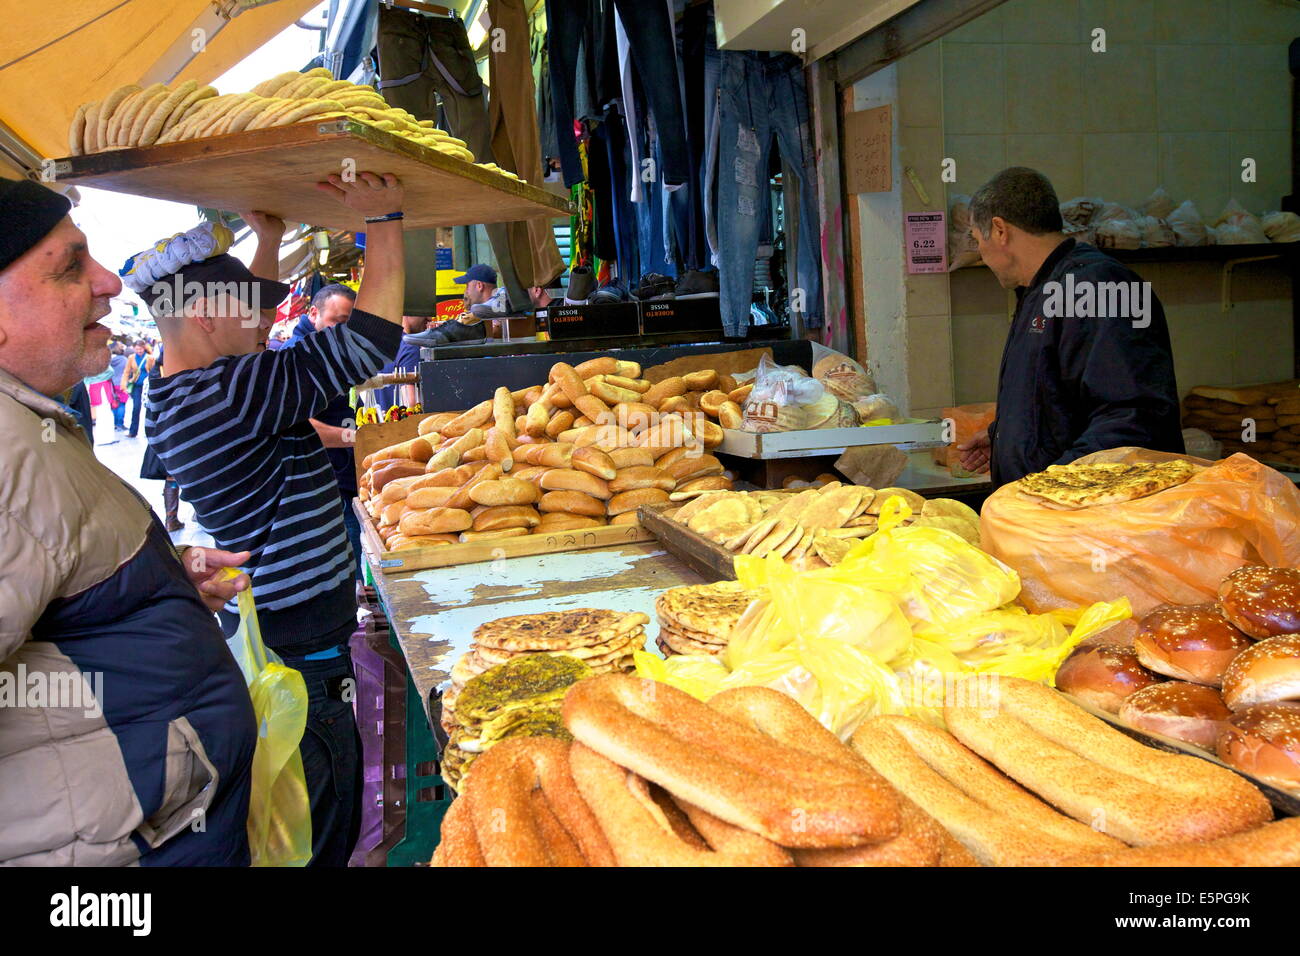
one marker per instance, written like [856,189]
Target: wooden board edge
[475,552]
[694,550]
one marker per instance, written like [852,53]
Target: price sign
[926,235]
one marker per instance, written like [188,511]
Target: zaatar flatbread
[1104,483]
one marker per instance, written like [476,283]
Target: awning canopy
[56,56]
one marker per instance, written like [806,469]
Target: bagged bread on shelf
[1119,234]
[1281,226]
[840,374]
[786,398]
[1170,547]
[1237,226]
[1080,211]
[1159,204]
[1112,211]
[1187,224]
[962,250]
[1155,232]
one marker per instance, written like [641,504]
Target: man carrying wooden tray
[231,422]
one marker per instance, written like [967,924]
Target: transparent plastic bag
[786,398]
[279,811]
[1169,548]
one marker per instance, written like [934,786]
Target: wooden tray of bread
[274,169]
[421,558]
[810,528]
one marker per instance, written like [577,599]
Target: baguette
[997,821]
[699,486]
[405,542]
[558,455]
[570,479]
[689,467]
[630,479]
[657,394]
[506,516]
[392,513]
[678,404]
[611,394]
[554,522]
[1073,760]
[560,422]
[476,417]
[605,365]
[594,461]
[631,500]
[638,385]
[417,449]
[634,457]
[537,418]
[503,412]
[568,380]
[603,437]
[450,456]
[531,474]
[446,477]
[429,497]
[595,409]
[398,489]
[462,499]
[392,470]
[497,448]
[572,502]
[435,521]
[517,532]
[635,417]
[504,491]
[700,381]
[436,422]
[1274,844]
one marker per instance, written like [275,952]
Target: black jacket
[1073,385]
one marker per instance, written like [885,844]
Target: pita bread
[1104,483]
[911,498]
[949,508]
[705,608]
[557,630]
[833,508]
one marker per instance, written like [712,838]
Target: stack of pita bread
[520,698]
[604,640]
[816,527]
[699,618]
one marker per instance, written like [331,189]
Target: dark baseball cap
[220,274]
[477,273]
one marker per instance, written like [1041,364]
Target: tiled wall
[1185,90]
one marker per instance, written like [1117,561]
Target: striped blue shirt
[236,437]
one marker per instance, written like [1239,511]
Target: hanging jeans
[762,96]
[512,117]
[709,175]
[423,58]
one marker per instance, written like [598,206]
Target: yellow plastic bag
[279,811]
[844,604]
[700,675]
[945,577]
[1014,643]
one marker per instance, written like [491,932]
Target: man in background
[1077,376]
[480,282]
[336,422]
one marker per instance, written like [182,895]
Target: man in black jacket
[1087,364]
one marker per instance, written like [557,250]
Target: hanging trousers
[423,58]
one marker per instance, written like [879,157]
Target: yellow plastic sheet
[279,812]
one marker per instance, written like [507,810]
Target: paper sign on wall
[927,247]
[869,150]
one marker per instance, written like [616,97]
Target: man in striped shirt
[231,421]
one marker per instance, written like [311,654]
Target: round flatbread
[108,107]
[558,630]
[711,609]
[77,131]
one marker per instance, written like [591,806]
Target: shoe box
[648,317]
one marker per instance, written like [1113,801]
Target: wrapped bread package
[1172,546]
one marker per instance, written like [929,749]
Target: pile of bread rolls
[1223,676]
[131,116]
[586,449]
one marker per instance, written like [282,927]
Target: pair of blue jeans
[762,97]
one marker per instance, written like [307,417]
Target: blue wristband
[389,218]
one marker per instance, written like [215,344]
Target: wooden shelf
[275,170]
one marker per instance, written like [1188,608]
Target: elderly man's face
[51,301]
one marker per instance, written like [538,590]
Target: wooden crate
[417,559]
[275,170]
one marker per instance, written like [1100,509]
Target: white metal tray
[908,436]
